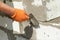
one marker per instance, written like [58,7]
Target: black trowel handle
[33,21]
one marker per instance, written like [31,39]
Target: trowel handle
[33,21]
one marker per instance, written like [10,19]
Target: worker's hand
[16,14]
[20,15]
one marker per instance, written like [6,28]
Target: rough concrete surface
[43,10]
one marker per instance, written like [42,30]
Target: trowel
[29,28]
[33,21]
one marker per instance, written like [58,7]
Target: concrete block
[17,29]
[43,10]
[47,31]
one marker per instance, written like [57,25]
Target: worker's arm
[16,14]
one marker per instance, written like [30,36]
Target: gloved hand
[20,15]
[16,14]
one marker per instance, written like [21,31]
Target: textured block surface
[47,31]
[43,10]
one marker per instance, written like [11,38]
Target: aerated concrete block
[17,28]
[43,10]
[47,31]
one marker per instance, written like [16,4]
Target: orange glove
[20,15]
